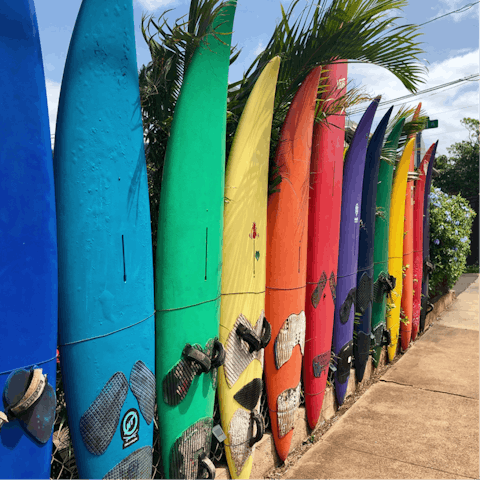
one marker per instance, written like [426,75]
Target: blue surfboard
[106,311]
[364,294]
[28,247]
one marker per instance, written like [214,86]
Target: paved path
[421,420]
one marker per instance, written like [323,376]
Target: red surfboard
[407,291]
[287,223]
[418,239]
[326,175]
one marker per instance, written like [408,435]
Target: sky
[451,46]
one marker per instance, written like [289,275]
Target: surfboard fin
[28,397]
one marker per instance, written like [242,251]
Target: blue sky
[450,44]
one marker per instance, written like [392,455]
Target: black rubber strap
[218,356]
[206,465]
[387,337]
[194,355]
[266,333]
[254,343]
[429,307]
[260,423]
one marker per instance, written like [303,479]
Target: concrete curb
[266,458]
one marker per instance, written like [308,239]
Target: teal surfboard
[106,316]
[189,258]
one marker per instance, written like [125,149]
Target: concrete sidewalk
[421,420]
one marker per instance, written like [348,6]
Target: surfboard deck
[242,309]
[406,312]
[326,175]
[418,238]
[382,282]
[287,223]
[106,311]
[28,244]
[395,245]
[365,286]
[353,170]
[189,257]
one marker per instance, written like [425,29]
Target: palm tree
[356,31]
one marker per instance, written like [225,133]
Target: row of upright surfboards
[243,280]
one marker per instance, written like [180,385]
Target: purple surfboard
[427,266]
[353,170]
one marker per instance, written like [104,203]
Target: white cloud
[154,4]
[53,95]
[260,48]
[448,105]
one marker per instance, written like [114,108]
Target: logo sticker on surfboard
[355,220]
[129,427]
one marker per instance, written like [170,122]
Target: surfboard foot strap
[241,344]
[384,285]
[195,361]
[29,397]
[255,343]
[344,362]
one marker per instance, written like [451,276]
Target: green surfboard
[189,258]
[380,251]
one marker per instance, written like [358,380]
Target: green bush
[451,221]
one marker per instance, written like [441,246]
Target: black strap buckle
[218,355]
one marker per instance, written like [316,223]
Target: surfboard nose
[282,444]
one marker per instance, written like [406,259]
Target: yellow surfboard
[395,244]
[243,328]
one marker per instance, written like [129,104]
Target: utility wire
[460,10]
[469,78]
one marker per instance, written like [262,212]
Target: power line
[469,78]
[460,10]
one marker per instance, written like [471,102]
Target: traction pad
[136,466]
[38,419]
[321,363]
[240,431]
[363,348]
[377,334]
[237,353]
[364,293]
[317,293]
[347,306]
[142,383]
[287,404]
[249,395]
[99,423]
[344,362]
[189,449]
[333,287]
[177,381]
[291,334]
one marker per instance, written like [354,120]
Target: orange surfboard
[287,223]
[407,292]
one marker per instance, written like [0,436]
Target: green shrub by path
[451,221]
